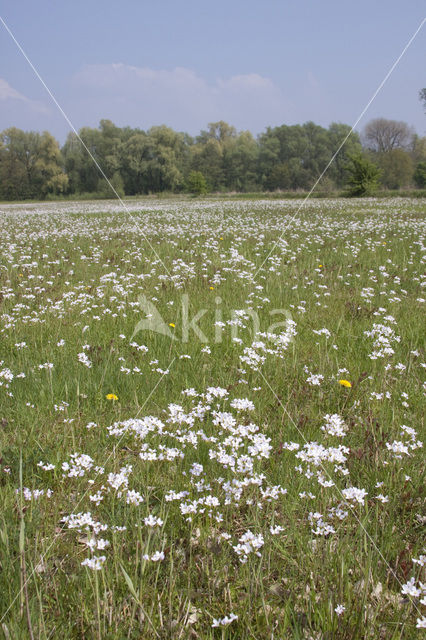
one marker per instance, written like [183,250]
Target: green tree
[16,155]
[207,157]
[49,176]
[220,131]
[166,149]
[83,173]
[196,183]
[110,141]
[30,165]
[397,168]
[268,158]
[337,133]
[283,152]
[419,175]
[293,157]
[104,145]
[280,177]
[211,152]
[418,149]
[363,176]
[136,153]
[240,155]
[112,187]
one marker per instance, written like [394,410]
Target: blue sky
[186,63]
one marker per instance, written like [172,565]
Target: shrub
[196,183]
[363,176]
[420,175]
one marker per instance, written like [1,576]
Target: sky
[185,63]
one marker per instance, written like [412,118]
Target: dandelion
[172,324]
[111,396]
[345,383]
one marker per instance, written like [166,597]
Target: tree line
[32,165]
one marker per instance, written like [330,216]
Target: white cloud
[9,93]
[141,96]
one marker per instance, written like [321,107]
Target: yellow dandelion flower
[320,266]
[211,288]
[172,324]
[111,396]
[345,383]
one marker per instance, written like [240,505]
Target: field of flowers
[211,420]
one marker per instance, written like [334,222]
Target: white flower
[224,622]
[102,544]
[196,469]
[95,563]
[334,425]
[315,379]
[242,404]
[352,493]
[325,332]
[248,543]
[421,623]
[340,609]
[134,497]
[410,589]
[276,530]
[46,466]
[83,358]
[157,556]
[152,521]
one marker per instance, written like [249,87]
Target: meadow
[211,420]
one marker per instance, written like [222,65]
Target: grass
[71,277]
[233,195]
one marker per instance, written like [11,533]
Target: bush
[105,190]
[363,176]
[419,176]
[196,183]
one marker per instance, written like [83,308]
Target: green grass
[52,288]
[234,195]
